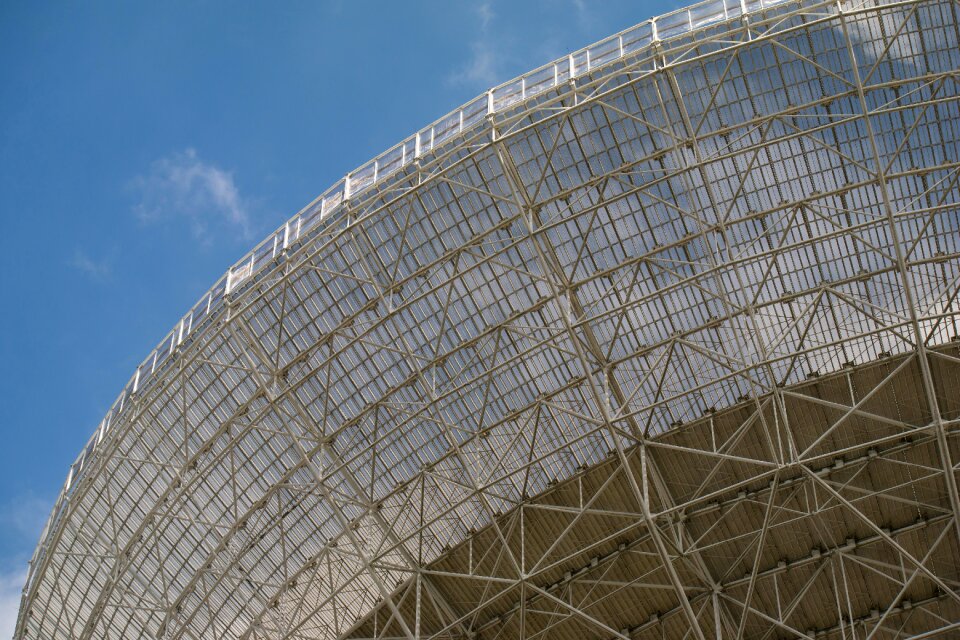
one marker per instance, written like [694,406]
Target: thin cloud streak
[181,185]
[481,69]
[25,516]
[486,14]
[96,269]
[22,519]
[584,15]
[11,586]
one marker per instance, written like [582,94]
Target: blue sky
[144,148]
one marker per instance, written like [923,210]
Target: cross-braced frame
[666,346]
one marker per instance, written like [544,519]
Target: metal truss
[658,341]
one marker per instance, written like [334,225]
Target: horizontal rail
[468,117]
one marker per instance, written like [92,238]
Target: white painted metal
[716,208]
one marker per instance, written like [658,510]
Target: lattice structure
[658,341]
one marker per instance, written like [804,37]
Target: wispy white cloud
[25,516]
[584,16]
[181,185]
[486,14]
[11,586]
[481,68]
[95,269]
[22,520]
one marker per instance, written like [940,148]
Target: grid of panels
[767,198]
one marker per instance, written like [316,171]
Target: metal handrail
[459,121]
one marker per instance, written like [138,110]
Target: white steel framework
[657,341]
